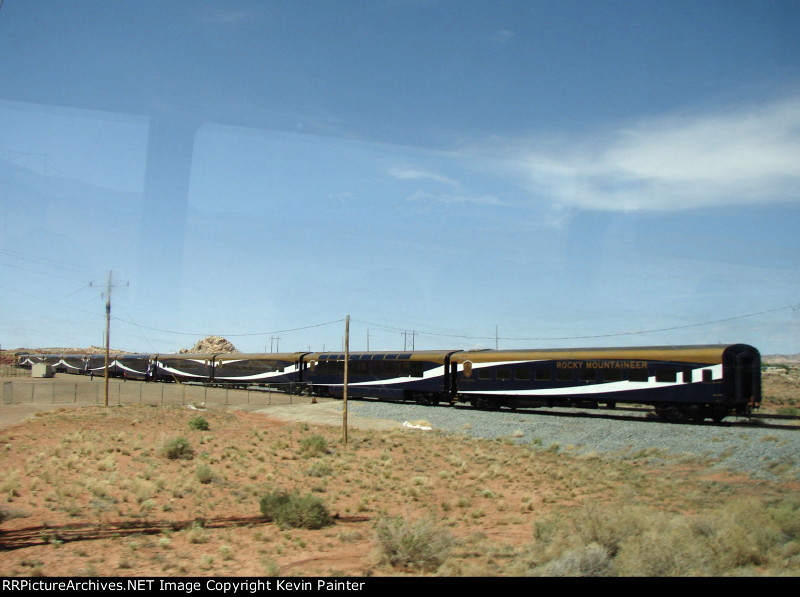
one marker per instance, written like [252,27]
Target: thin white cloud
[451,199]
[406,173]
[745,156]
[503,36]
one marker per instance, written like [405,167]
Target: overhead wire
[583,337]
[306,327]
[423,332]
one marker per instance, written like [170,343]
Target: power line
[27,269]
[43,261]
[307,327]
[611,335]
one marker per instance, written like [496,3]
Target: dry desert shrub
[419,544]
[313,445]
[291,510]
[204,474]
[626,540]
[586,561]
[177,448]
[198,423]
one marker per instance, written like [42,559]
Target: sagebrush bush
[313,445]
[199,423]
[291,510]
[412,544]
[204,474]
[319,469]
[624,540]
[586,561]
[176,448]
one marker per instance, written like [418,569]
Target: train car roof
[258,356]
[711,353]
[406,355]
[206,356]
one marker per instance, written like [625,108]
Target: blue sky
[521,174]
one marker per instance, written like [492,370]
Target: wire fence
[64,391]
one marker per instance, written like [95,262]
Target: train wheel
[482,403]
[426,399]
[718,414]
[670,413]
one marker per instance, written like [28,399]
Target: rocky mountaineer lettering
[601,364]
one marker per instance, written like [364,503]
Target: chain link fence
[64,390]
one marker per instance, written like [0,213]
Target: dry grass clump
[625,540]
[313,445]
[419,544]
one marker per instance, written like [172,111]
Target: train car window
[522,373]
[637,375]
[687,376]
[504,373]
[543,374]
[612,375]
[484,373]
[564,375]
[707,377]
[666,375]
[404,356]
[588,374]
[330,368]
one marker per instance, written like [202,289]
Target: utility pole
[109,286]
[406,335]
[496,337]
[346,373]
[277,343]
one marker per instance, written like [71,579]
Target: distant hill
[62,350]
[785,359]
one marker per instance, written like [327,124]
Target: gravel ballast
[737,445]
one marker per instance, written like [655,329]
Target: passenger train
[680,382]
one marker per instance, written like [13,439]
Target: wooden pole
[108,331]
[346,374]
